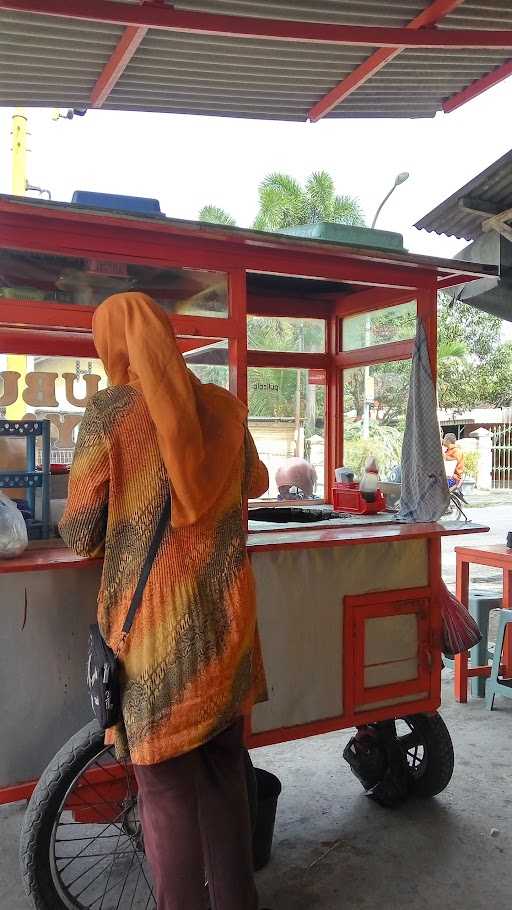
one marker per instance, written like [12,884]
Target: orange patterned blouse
[192,661]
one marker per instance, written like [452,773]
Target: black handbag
[102,661]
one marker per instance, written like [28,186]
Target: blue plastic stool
[480,605]
[496,685]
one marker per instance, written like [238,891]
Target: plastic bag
[13,530]
[460,630]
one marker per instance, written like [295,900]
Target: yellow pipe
[19,152]
[18,364]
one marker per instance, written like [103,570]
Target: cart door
[388,650]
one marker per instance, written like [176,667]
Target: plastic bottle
[370,480]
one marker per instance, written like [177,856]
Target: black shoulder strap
[146,568]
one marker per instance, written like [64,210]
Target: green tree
[384,444]
[273,391]
[283,202]
[212,214]
[481,374]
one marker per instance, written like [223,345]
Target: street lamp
[367,379]
[399,179]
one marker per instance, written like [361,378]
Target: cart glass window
[375,403]
[57,388]
[283,333]
[208,360]
[78,281]
[287,421]
[396,323]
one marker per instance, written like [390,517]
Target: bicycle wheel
[81,843]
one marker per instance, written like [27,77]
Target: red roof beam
[127,46]
[114,69]
[167,18]
[430,16]
[454,280]
[478,88]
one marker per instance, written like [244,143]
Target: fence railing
[59,456]
[502,455]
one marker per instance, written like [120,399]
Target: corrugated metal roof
[471,14]
[342,12]
[493,187]
[243,77]
[46,61]
[51,62]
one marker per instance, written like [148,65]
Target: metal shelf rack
[30,478]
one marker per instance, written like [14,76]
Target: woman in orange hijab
[191,665]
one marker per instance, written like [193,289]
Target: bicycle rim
[97,855]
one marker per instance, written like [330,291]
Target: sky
[187,162]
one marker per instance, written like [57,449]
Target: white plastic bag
[13,530]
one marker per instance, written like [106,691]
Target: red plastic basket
[347,497]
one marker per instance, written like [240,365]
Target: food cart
[348,608]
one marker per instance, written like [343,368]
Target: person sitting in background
[453,452]
[296,480]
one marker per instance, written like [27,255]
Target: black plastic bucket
[269,789]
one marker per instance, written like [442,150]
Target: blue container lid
[137,205]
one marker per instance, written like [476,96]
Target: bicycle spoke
[107,802]
[75,840]
[136,887]
[95,879]
[148,883]
[110,870]
[125,881]
[106,769]
[109,890]
[106,856]
[92,841]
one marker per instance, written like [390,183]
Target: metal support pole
[19,153]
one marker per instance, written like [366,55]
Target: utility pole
[17,363]
[19,152]
[367,383]
[298,399]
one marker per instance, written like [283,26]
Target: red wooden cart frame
[369,280]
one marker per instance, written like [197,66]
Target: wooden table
[499,557]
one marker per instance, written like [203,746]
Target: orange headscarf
[200,427]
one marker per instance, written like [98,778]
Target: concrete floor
[336,849]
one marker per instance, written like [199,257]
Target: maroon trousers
[195,819]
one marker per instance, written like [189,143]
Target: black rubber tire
[55,781]
[42,810]
[439,757]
